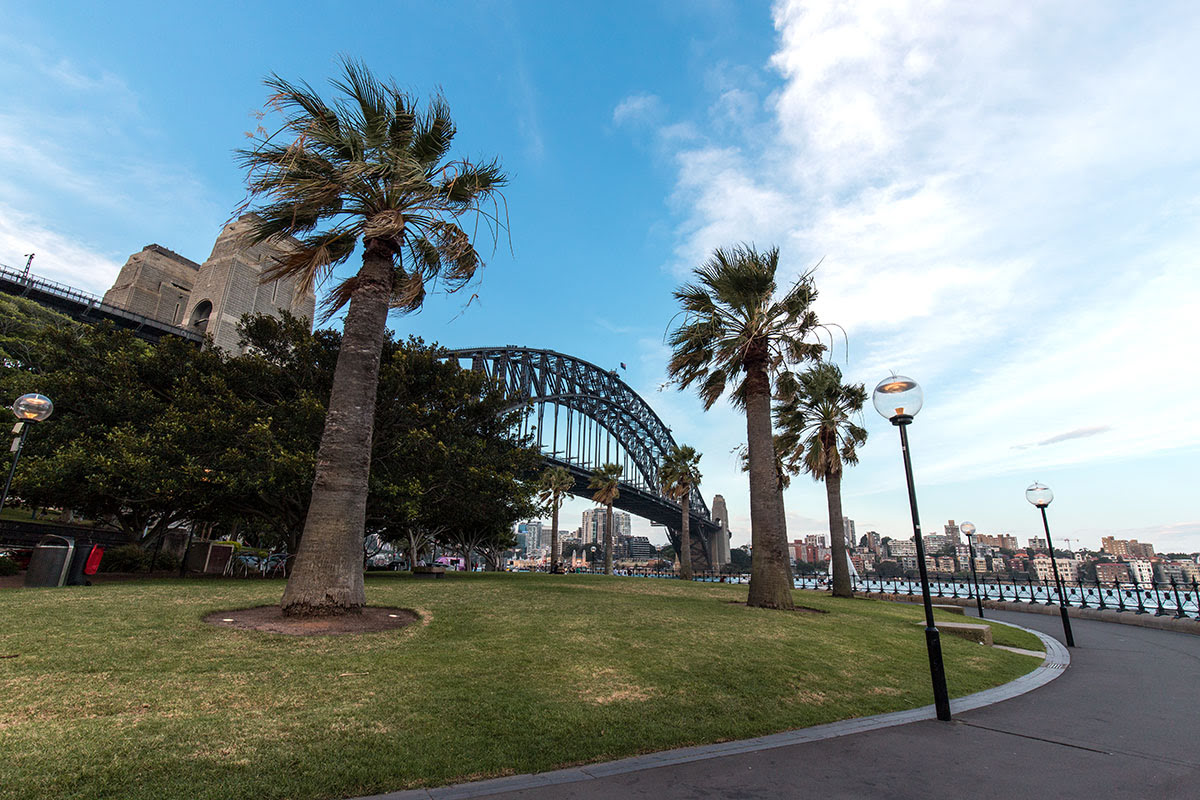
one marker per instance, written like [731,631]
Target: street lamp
[1041,496]
[898,399]
[28,408]
[968,529]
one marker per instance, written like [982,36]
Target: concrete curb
[1057,659]
[1147,620]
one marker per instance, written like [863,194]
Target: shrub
[126,558]
[8,566]
[167,561]
[135,558]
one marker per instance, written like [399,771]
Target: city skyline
[1002,212]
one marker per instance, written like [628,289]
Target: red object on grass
[93,562]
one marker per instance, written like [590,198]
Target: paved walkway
[1122,722]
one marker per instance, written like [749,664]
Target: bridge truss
[583,417]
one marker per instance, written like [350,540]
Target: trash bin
[51,561]
[84,562]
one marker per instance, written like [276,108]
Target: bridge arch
[583,416]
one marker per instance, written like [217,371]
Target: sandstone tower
[719,545]
[155,283]
[209,298]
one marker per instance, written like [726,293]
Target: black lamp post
[898,399]
[1041,496]
[28,409]
[968,529]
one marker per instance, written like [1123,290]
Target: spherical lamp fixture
[967,528]
[33,407]
[898,399]
[1039,495]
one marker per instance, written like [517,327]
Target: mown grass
[120,690]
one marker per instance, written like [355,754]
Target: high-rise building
[637,548]
[952,532]
[1143,571]
[848,527]
[594,520]
[1002,541]
[536,537]
[873,542]
[1068,569]
[1036,543]
[935,542]
[1126,548]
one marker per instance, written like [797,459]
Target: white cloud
[58,257]
[638,108]
[1004,211]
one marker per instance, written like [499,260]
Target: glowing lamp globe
[967,528]
[897,396]
[32,407]
[1039,495]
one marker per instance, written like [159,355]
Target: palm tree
[370,167]
[679,473]
[605,482]
[733,330]
[554,483]
[819,436]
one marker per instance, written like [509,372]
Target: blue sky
[1004,198]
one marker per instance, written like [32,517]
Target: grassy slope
[120,690]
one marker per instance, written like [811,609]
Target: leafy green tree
[448,466]
[889,569]
[735,331]
[605,485]
[741,559]
[680,474]
[373,168]
[137,429]
[553,484]
[818,435]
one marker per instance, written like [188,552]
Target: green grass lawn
[121,691]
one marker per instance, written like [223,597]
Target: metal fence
[1178,599]
[89,302]
[1160,598]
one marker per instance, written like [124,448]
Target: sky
[1003,201]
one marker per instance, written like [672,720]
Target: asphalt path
[1123,721]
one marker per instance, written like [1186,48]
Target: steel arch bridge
[582,417]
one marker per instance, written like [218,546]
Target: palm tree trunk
[837,537]
[685,541]
[328,577]
[554,537]
[770,573]
[608,541]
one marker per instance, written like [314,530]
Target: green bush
[8,566]
[126,558]
[134,558]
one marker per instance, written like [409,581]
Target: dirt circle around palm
[270,619]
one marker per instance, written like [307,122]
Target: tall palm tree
[679,473]
[604,482]
[370,167]
[734,330]
[818,435]
[554,483]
